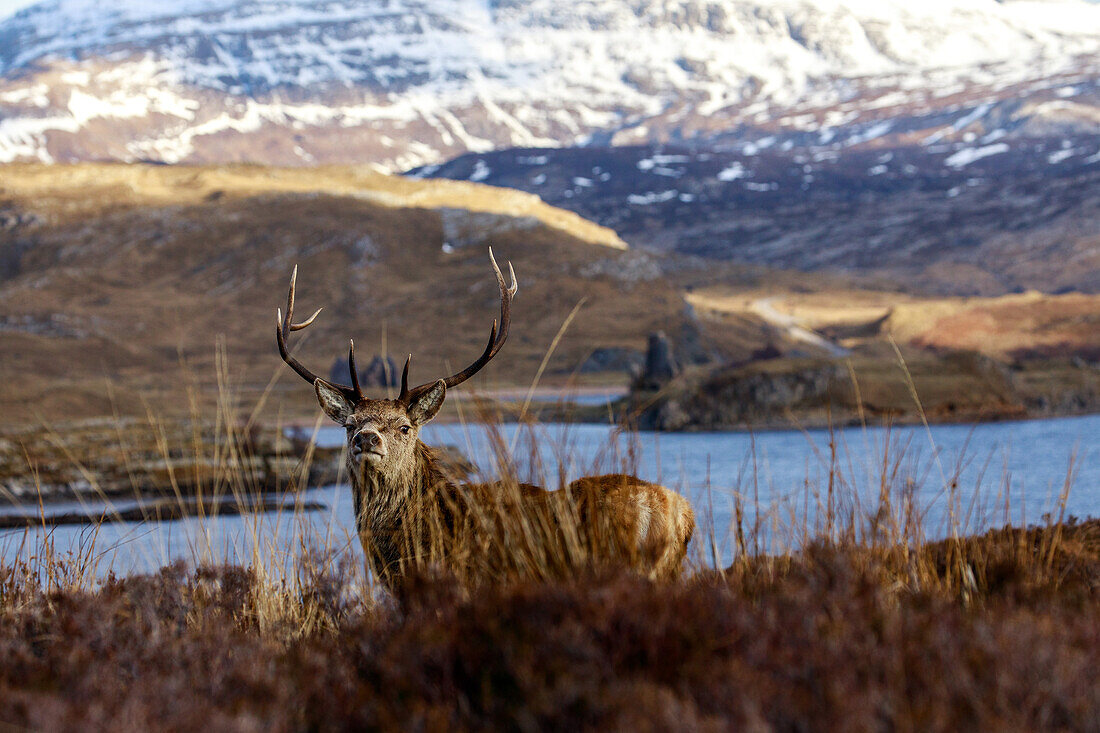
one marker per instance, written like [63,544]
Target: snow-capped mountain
[401,83]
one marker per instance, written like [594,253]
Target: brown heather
[840,636]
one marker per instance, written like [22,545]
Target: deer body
[411,514]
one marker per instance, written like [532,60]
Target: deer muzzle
[367,445]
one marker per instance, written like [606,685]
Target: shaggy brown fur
[416,518]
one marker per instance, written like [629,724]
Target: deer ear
[427,405]
[333,401]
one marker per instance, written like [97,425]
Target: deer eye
[405,429]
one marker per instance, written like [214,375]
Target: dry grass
[1005,327]
[122,271]
[131,185]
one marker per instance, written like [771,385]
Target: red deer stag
[409,513]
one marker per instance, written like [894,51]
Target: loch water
[962,478]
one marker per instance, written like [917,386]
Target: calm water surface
[976,476]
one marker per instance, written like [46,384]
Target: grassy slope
[128,270]
[1005,327]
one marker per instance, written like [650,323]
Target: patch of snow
[733,171]
[36,95]
[76,78]
[84,107]
[481,171]
[647,199]
[754,147]
[1059,155]
[669,159]
[966,156]
[23,138]
[874,131]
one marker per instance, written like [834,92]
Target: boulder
[381,371]
[660,364]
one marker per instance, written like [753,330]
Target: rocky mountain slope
[989,217]
[402,83]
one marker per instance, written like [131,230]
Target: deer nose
[366,440]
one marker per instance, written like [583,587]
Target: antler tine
[514,287]
[285,325]
[403,397]
[306,322]
[289,324]
[496,337]
[354,371]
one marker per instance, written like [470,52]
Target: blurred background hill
[736,175]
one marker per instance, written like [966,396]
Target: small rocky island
[771,389]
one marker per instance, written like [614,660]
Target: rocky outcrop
[660,364]
[808,392]
[738,397]
[381,371]
[692,346]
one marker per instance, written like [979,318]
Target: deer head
[383,434]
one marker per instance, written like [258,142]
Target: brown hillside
[123,273]
[117,278]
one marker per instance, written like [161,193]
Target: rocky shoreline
[160,510]
[175,460]
[816,392]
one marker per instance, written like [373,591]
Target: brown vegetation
[1008,327]
[994,632]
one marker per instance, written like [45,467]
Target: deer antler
[496,340]
[283,327]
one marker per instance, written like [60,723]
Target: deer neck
[384,501]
